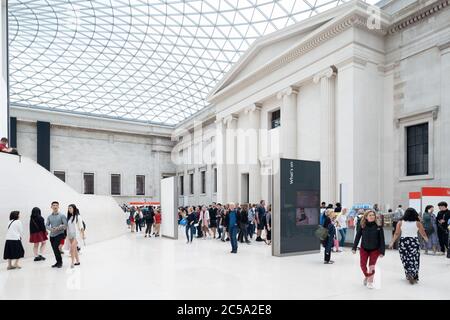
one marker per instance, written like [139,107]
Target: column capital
[287,92]
[229,119]
[326,73]
[253,107]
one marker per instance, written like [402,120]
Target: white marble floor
[134,267]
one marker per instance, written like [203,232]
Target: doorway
[245,188]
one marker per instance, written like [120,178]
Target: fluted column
[3,72]
[220,155]
[231,159]
[254,123]
[288,136]
[327,134]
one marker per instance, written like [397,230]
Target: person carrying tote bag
[13,245]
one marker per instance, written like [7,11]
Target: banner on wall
[296,207]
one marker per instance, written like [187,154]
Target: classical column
[220,154]
[4,119]
[445,102]
[254,123]
[327,134]
[231,159]
[288,136]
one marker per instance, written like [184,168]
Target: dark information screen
[300,205]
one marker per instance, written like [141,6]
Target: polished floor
[134,267]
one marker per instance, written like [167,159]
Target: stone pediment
[279,48]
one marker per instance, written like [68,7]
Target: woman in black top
[242,220]
[38,233]
[372,245]
[190,224]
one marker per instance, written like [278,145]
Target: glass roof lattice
[148,61]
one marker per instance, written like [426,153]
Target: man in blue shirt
[232,227]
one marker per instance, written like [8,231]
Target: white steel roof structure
[148,61]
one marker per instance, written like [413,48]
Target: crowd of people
[64,231]
[147,218]
[227,222]
[412,232]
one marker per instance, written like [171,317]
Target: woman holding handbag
[430,226]
[328,224]
[38,233]
[372,245]
[13,246]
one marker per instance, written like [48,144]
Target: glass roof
[149,61]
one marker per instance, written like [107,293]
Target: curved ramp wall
[24,184]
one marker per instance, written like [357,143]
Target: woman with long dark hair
[409,247]
[38,233]
[372,245]
[75,232]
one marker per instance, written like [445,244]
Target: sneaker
[10,268]
[38,258]
[77,264]
[259,239]
[370,285]
[41,257]
[328,262]
[55,265]
[365,282]
[340,250]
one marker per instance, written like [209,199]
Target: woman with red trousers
[372,245]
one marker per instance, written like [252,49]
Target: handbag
[321,233]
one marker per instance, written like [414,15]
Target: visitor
[342,227]
[149,220]
[330,217]
[323,209]
[269,225]
[204,221]
[338,207]
[260,217]
[224,224]
[231,221]
[198,224]
[431,229]
[138,216]
[4,147]
[219,217]
[372,245]
[157,222]
[408,246]
[442,225]
[13,245]
[213,219]
[251,220]
[190,225]
[75,233]
[57,225]
[38,234]
[242,220]
[132,221]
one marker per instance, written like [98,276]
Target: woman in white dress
[75,233]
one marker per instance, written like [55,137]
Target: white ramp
[24,184]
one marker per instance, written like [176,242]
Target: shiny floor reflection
[134,267]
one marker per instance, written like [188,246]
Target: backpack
[321,233]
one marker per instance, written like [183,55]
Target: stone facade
[77,150]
